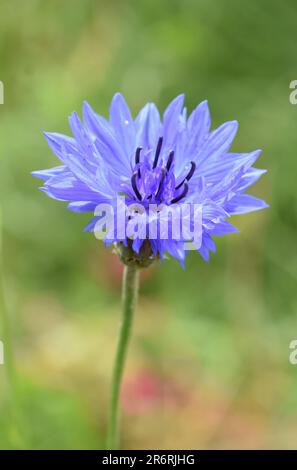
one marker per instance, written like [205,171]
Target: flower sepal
[143,259]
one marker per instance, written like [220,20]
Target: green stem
[129,295]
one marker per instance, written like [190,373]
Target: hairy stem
[129,296]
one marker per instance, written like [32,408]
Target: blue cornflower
[150,160]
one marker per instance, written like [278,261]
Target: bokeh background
[209,363]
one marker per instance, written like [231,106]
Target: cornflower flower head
[155,161]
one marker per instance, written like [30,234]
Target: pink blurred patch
[147,390]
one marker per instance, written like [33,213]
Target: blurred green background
[209,364]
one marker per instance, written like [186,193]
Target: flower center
[157,183]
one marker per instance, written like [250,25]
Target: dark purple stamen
[137,155]
[170,160]
[165,170]
[182,195]
[189,175]
[161,182]
[137,158]
[158,150]
[134,186]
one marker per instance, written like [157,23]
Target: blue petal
[83,140]
[250,177]
[93,121]
[218,142]
[46,174]
[82,206]
[226,189]
[123,124]
[223,228]
[206,246]
[78,165]
[171,119]
[148,126]
[217,166]
[105,141]
[175,249]
[212,211]
[70,189]
[90,227]
[243,203]
[198,126]
[57,142]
